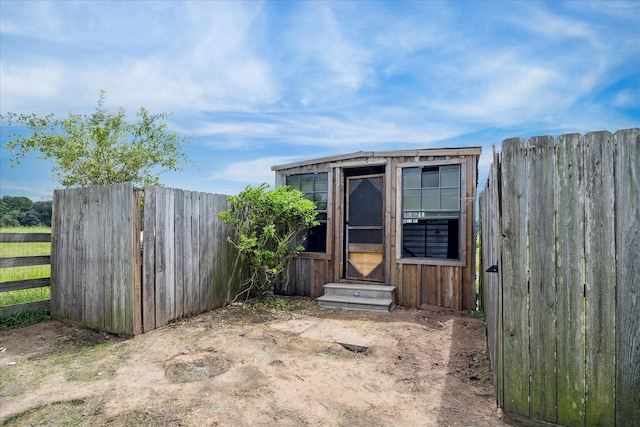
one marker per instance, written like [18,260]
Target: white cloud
[22,83]
[626,99]
[253,171]
[215,66]
[543,23]
[245,128]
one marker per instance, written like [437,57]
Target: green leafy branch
[266,223]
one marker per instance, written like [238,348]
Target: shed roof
[457,151]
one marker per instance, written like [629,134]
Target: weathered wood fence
[23,261]
[95,258]
[101,277]
[189,267]
[561,221]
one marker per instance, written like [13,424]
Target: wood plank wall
[451,286]
[563,311]
[189,267]
[94,280]
[308,275]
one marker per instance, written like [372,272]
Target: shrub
[265,224]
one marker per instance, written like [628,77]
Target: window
[431,212]
[315,188]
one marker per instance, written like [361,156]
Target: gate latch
[493,269]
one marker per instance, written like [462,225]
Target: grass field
[23,273]
[38,229]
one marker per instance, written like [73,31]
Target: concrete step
[362,290]
[356,303]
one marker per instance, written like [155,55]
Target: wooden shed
[400,220]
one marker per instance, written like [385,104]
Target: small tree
[99,149]
[265,224]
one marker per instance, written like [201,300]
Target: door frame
[376,248]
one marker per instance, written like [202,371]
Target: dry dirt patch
[284,362]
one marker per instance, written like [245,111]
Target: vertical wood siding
[560,218]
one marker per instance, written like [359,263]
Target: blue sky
[255,84]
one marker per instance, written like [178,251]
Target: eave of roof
[457,151]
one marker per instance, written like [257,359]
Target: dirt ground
[283,362]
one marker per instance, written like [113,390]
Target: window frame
[328,212]
[462,232]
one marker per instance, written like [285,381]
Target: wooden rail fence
[17,285]
[560,225]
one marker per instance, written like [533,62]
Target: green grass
[8,250]
[24,319]
[479,314]
[37,229]
[24,295]
[23,273]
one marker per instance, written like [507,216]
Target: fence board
[78,276]
[103,267]
[187,250]
[94,289]
[514,271]
[24,237]
[181,213]
[600,273]
[170,271]
[570,279]
[209,271]
[18,285]
[542,290]
[202,255]
[495,254]
[24,261]
[194,284]
[109,262]
[116,319]
[56,248]
[58,252]
[148,263]
[219,290]
[137,225]
[161,259]
[627,191]
[24,307]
